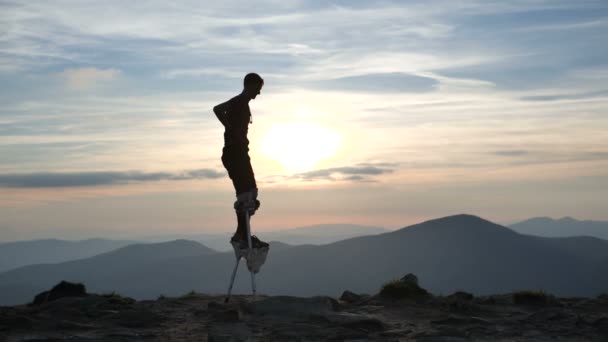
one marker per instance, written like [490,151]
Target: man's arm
[221,111]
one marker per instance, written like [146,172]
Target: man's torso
[239,116]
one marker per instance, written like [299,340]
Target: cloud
[381,82]
[85,78]
[565,26]
[511,153]
[361,172]
[80,179]
[559,97]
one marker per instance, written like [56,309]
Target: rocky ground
[198,317]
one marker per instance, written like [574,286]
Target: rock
[239,332]
[61,290]
[230,315]
[439,337]
[461,295]
[601,324]
[396,332]
[354,321]
[496,300]
[291,306]
[214,306]
[138,319]
[16,322]
[71,325]
[461,320]
[548,315]
[350,297]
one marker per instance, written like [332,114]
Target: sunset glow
[299,146]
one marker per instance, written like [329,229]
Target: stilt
[255,258]
[236,266]
[238,253]
[249,252]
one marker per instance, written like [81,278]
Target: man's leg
[238,164]
[246,201]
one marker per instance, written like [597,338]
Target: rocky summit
[413,315]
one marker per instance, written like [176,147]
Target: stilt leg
[236,266]
[250,246]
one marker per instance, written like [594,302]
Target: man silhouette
[235,115]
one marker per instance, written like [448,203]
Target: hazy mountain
[21,253]
[461,252]
[564,227]
[316,234]
[122,263]
[321,234]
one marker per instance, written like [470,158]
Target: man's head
[252,85]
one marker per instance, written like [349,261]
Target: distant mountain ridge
[460,252]
[21,253]
[319,234]
[563,227]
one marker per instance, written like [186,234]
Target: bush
[532,298]
[115,298]
[398,289]
[189,295]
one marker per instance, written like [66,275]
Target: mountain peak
[458,219]
[458,223]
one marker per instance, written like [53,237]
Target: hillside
[564,227]
[461,252]
[459,317]
[50,251]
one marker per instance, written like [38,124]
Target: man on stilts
[235,115]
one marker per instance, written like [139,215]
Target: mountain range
[21,253]
[460,252]
[563,227]
[319,234]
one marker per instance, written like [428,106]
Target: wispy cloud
[446,89]
[359,173]
[510,153]
[567,96]
[80,179]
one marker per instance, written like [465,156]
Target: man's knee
[247,200]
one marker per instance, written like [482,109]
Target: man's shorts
[238,164]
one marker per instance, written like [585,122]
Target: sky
[383,113]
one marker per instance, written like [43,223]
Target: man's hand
[221,111]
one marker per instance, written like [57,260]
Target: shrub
[115,298]
[532,298]
[189,295]
[398,289]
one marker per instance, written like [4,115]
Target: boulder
[61,290]
[350,297]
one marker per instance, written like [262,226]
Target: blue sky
[414,109]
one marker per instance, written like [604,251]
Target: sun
[300,145]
